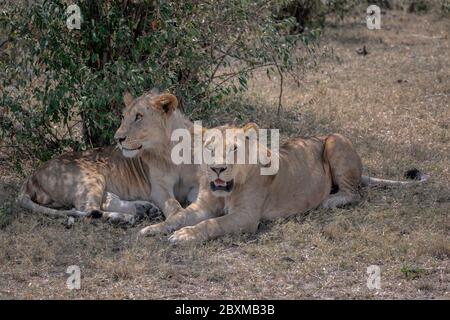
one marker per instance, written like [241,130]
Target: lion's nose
[119,139]
[218,170]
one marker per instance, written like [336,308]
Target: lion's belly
[302,183]
[299,200]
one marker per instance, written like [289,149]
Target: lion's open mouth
[128,149]
[219,184]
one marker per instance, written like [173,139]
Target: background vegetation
[62,89]
[56,81]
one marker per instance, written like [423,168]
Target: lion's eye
[138,117]
[210,148]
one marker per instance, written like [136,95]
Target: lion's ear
[250,126]
[167,103]
[127,99]
[250,129]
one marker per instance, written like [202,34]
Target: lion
[233,198]
[119,183]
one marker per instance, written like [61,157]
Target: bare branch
[280,96]
[225,54]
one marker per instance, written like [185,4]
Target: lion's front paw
[145,208]
[119,218]
[155,229]
[186,234]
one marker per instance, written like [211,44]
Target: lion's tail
[24,200]
[414,174]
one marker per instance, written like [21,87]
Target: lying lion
[234,198]
[118,183]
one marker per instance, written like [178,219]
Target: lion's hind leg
[92,205]
[346,169]
[34,198]
[340,199]
[93,199]
[138,208]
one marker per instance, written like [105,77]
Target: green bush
[414,6]
[418,6]
[412,272]
[445,6]
[313,13]
[62,89]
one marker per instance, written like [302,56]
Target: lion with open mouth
[233,198]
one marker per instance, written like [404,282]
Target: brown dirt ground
[394,104]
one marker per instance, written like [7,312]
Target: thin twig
[232,75]
[225,54]
[69,129]
[280,96]
[3,42]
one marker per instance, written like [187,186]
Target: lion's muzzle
[220,185]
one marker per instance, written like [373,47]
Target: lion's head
[145,123]
[231,153]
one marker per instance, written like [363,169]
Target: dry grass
[393,103]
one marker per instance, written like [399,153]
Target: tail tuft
[415,174]
[95,214]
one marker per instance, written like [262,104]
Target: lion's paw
[155,229]
[186,234]
[118,218]
[145,208]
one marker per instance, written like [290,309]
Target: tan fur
[111,179]
[308,168]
